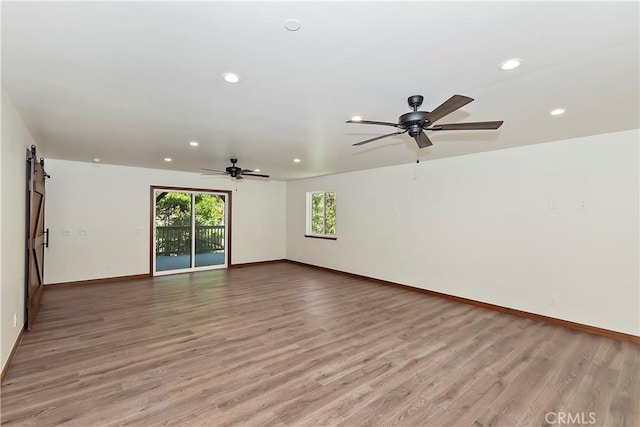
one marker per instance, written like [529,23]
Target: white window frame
[309,212]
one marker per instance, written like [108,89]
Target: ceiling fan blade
[448,107]
[238,177]
[423,140]
[212,170]
[246,170]
[468,126]
[377,138]
[371,122]
[255,174]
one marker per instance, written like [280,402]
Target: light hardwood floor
[283,344]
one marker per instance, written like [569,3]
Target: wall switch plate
[66,232]
[82,231]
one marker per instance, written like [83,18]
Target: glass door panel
[210,238]
[189,230]
[173,225]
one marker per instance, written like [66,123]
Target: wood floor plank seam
[538,317]
[282,344]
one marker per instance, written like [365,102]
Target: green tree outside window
[174,208]
[323,213]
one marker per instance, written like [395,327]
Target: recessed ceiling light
[292,24]
[356,119]
[296,160]
[557,111]
[256,170]
[96,159]
[510,64]
[193,143]
[231,77]
[167,159]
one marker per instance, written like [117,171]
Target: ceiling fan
[234,171]
[416,122]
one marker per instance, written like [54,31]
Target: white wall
[13,149]
[113,204]
[503,227]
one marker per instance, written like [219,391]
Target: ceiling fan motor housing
[414,130]
[233,169]
[413,122]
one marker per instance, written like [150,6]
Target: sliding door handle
[46,238]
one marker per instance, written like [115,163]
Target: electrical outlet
[553,300]
[582,204]
[109,266]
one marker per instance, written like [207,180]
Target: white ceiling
[134,82]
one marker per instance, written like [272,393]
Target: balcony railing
[176,240]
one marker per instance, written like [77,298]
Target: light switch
[66,232]
[82,231]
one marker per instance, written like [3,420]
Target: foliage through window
[321,214]
[175,208]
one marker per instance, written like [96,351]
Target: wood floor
[286,345]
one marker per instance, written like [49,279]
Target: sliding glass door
[210,229]
[190,230]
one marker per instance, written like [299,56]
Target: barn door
[37,236]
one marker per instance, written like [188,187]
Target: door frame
[152,238]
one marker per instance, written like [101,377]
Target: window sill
[313,236]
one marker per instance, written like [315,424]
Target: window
[321,214]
